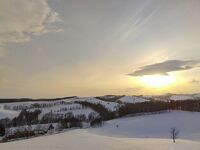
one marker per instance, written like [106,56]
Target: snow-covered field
[154,126]
[144,132]
[149,132]
[84,140]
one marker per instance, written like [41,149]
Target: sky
[55,48]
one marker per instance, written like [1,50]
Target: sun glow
[158,80]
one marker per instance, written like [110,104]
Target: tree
[2,130]
[51,127]
[174,133]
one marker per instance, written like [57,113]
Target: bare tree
[174,133]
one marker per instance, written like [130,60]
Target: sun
[158,81]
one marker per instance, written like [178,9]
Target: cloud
[194,81]
[165,67]
[3,78]
[20,20]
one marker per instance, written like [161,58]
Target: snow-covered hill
[83,140]
[59,107]
[154,126]
[182,97]
[197,95]
[144,132]
[112,106]
[132,99]
[130,135]
[64,106]
[174,97]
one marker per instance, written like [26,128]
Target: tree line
[153,106]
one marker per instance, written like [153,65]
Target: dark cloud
[165,67]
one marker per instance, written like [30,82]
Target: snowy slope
[181,97]
[12,110]
[8,113]
[150,132]
[75,109]
[81,139]
[154,126]
[197,95]
[109,105]
[132,99]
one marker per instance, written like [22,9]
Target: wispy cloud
[137,20]
[20,20]
[165,67]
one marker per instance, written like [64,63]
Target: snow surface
[112,106]
[8,113]
[181,97]
[57,107]
[12,110]
[128,136]
[132,99]
[154,126]
[83,140]
[197,95]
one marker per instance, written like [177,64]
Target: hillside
[12,107]
[128,136]
[19,120]
[154,126]
[62,105]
